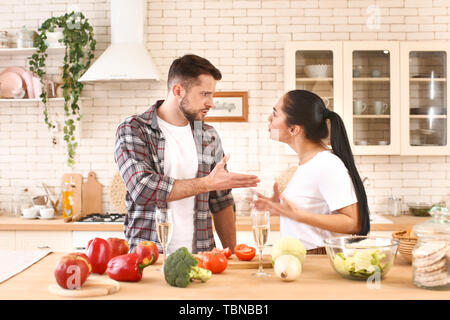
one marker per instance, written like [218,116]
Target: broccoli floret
[181,268]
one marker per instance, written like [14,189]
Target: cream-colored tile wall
[245,39]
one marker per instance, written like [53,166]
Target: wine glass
[261,230]
[164,227]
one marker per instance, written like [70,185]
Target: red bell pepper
[126,267]
[99,253]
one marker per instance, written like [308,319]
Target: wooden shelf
[313,79]
[39,100]
[427,79]
[425,116]
[371,116]
[380,79]
[28,51]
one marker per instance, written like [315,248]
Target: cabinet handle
[43,247]
[80,248]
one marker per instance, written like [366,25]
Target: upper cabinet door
[371,96]
[315,66]
[425,98]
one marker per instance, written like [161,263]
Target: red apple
[71,271]
[85,257]
[145,250]
[118,247]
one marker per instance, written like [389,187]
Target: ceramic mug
[358,107]
[375,73]
[379,107]
[47,212]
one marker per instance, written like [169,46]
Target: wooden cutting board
[117,193]
[235,263]
[94,286]
[91,195]
[77,182]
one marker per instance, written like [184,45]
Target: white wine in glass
[261,230]
[164,227]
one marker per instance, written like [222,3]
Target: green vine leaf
[79,42]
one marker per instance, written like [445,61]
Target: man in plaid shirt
[163,166]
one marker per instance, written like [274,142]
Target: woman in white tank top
[325,197]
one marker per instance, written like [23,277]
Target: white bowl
[318,70]
[31,212]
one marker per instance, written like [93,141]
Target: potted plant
[78,40]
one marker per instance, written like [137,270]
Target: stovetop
[117,218]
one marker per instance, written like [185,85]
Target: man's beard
[184,107]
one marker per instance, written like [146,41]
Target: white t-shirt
[322,185]
[180,162]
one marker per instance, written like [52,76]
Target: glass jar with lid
[24,38]
[431,254]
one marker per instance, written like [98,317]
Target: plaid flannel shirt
[139,154]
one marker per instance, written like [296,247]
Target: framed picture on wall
[229,107]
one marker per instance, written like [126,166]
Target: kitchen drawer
[80,239]
[7,240]
[60,241]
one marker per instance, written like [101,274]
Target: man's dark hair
[187,68]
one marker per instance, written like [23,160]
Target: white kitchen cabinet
[301,55]
[80,239]
[7,240]
[60,241]
[392,95]
[328,84]
[371,96]
[425,97]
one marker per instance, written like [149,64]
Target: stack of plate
[407,243]
[15,82]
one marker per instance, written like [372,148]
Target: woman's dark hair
[307,109]
[187,68]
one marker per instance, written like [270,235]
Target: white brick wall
[245,39]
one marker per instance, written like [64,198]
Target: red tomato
[216,262]
[244,252]
[199,258]
[226,252]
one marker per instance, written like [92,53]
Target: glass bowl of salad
[361,257]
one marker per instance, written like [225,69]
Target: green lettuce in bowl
[360,257]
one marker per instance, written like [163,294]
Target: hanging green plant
[79,42]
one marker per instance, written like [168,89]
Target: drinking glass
[164,227]
[261,229]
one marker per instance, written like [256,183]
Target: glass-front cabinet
[425,98]
[371,99]
[317,67]
[392,95]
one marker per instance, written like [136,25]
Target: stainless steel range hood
[126,59]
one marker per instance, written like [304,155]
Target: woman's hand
[275,196]
[277,205]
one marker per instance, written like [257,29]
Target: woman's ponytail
[341,148]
